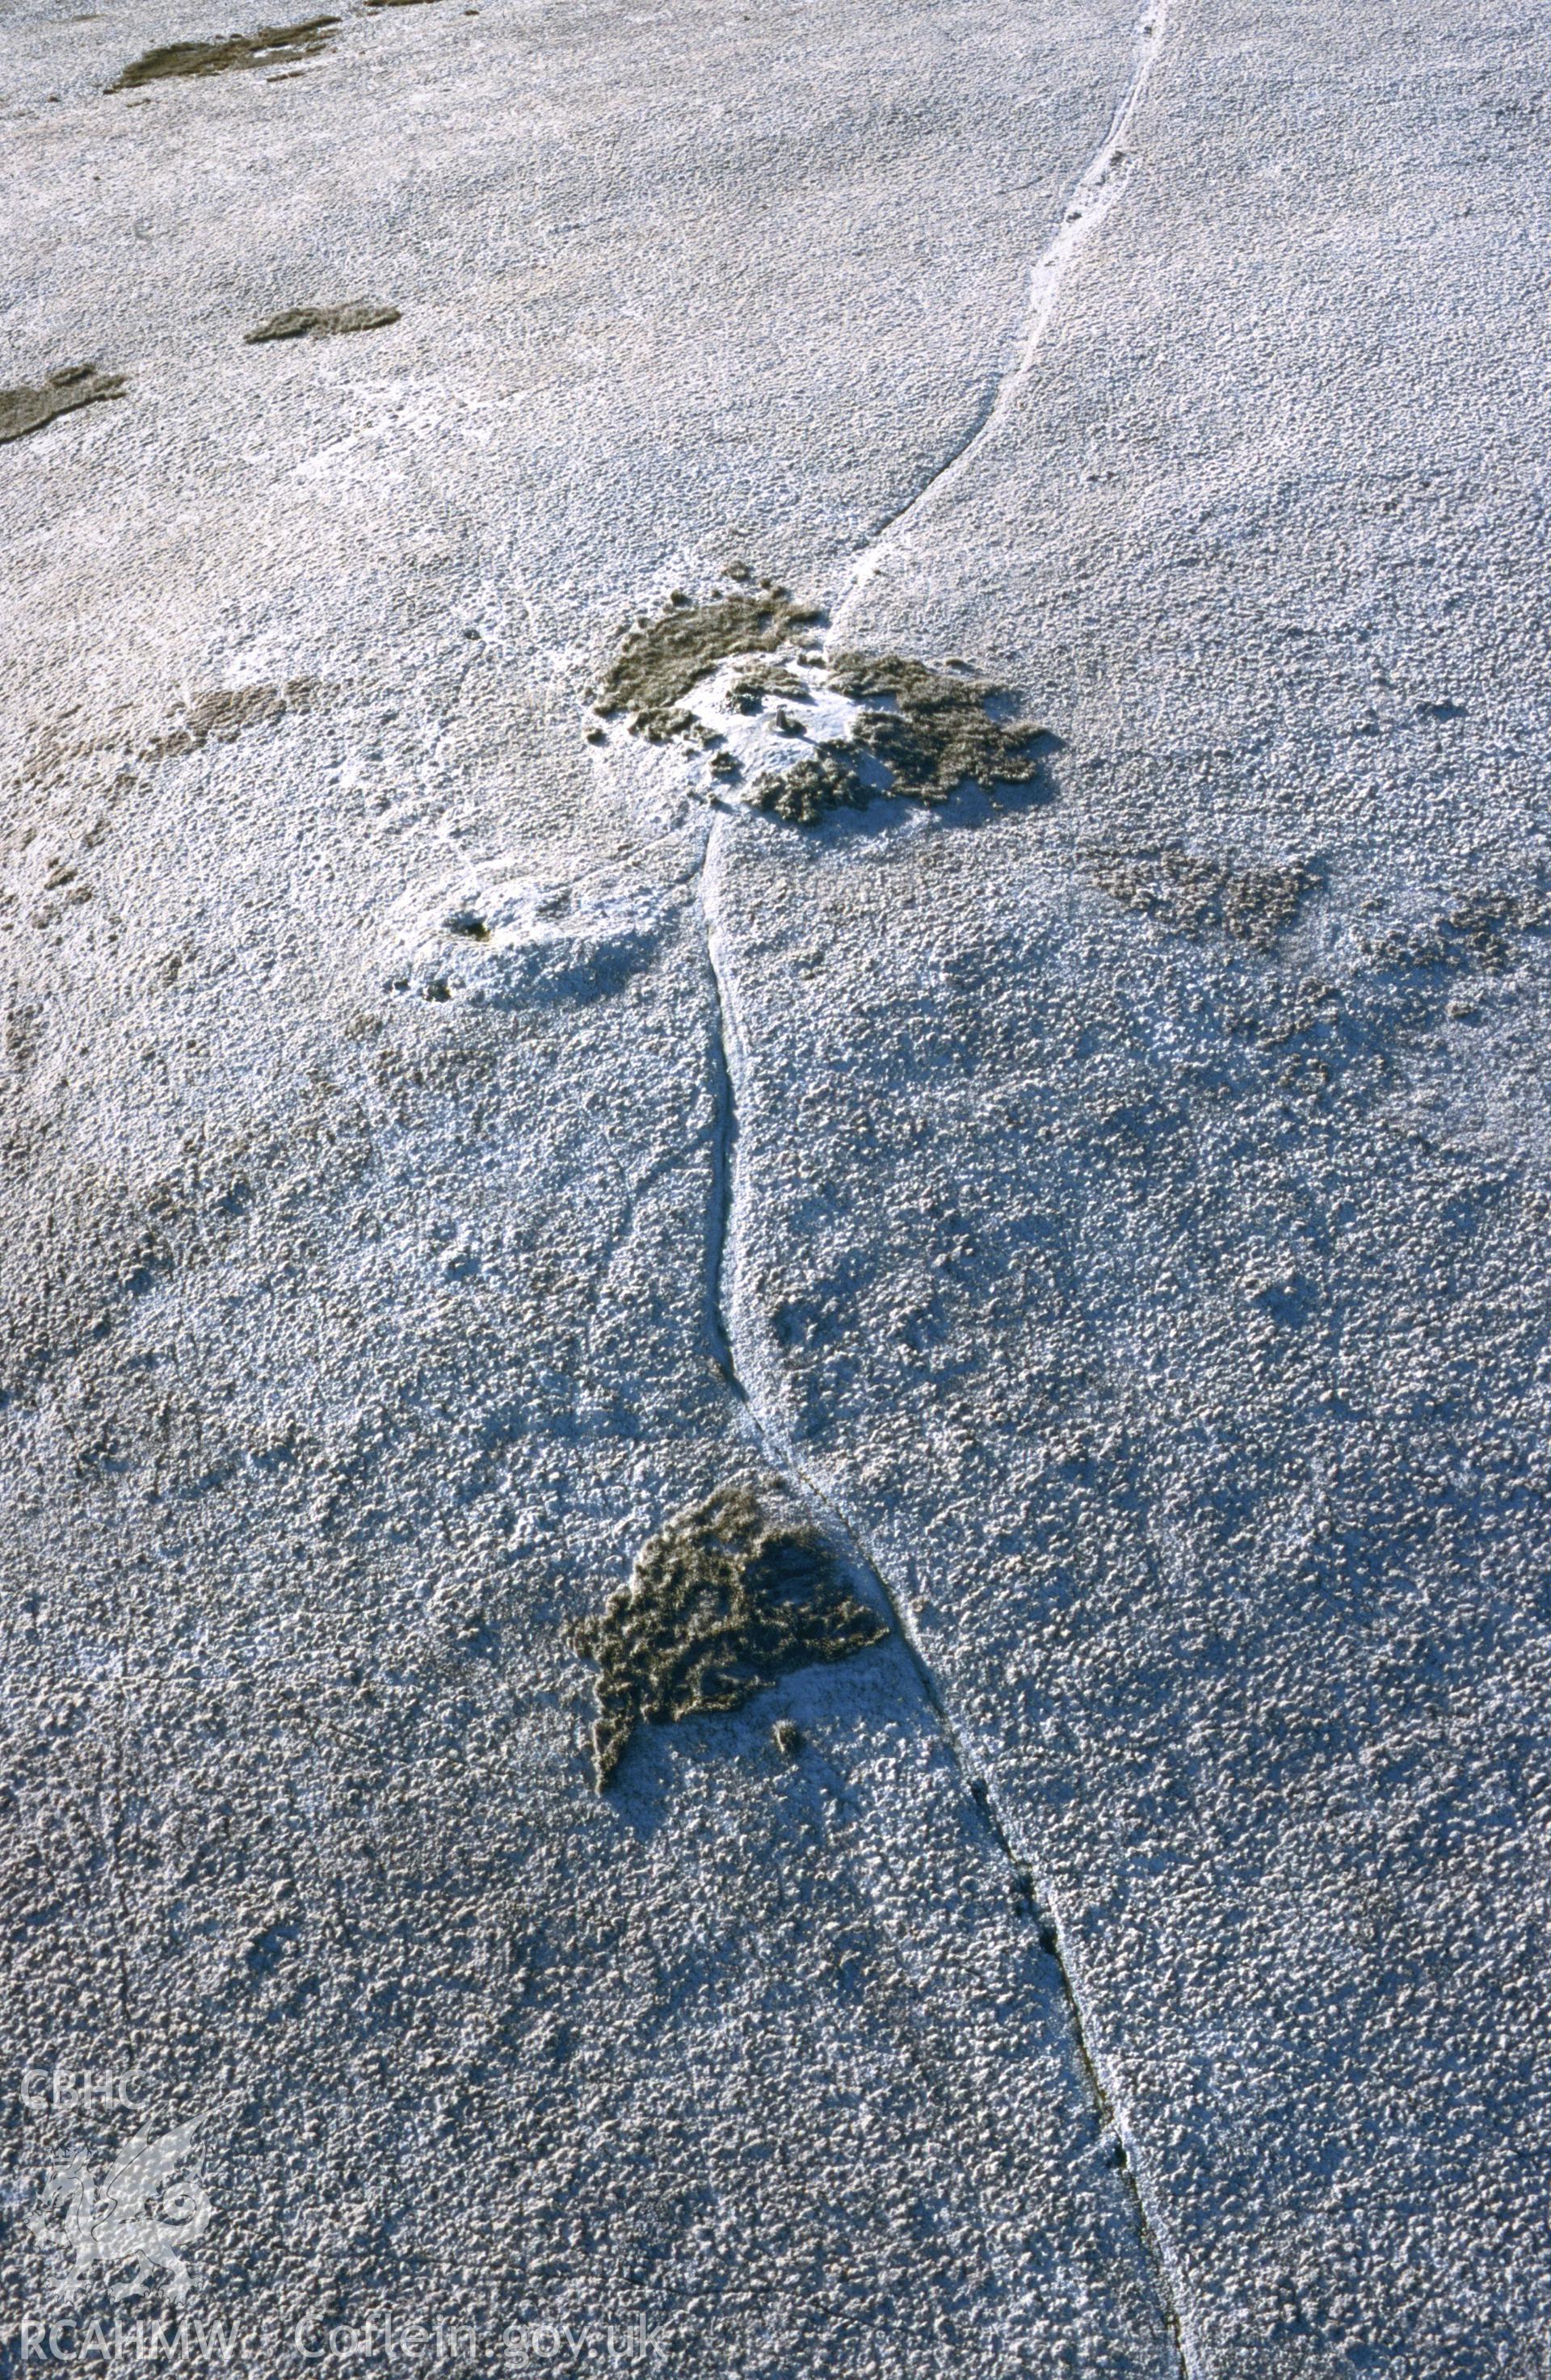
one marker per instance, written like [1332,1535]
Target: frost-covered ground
[447,1135]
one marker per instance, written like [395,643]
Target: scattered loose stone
[221,714]
[1478,931]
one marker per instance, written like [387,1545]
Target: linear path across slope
[1090,201]
[779,1450]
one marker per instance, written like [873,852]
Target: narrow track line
[1092,195]
[1089,202]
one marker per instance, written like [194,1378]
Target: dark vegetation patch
[324,322]
[660,660]
[22,409]
[728,1595]
[829,780]
[1194,895]
[272,45]
[932,729]
[923,732]
[221,714]
[751,685]
[939,733]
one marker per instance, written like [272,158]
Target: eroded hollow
[728,1595]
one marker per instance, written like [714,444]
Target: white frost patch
[504,945]
[395,417]
[772,734]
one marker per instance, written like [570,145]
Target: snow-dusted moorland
[776,969]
